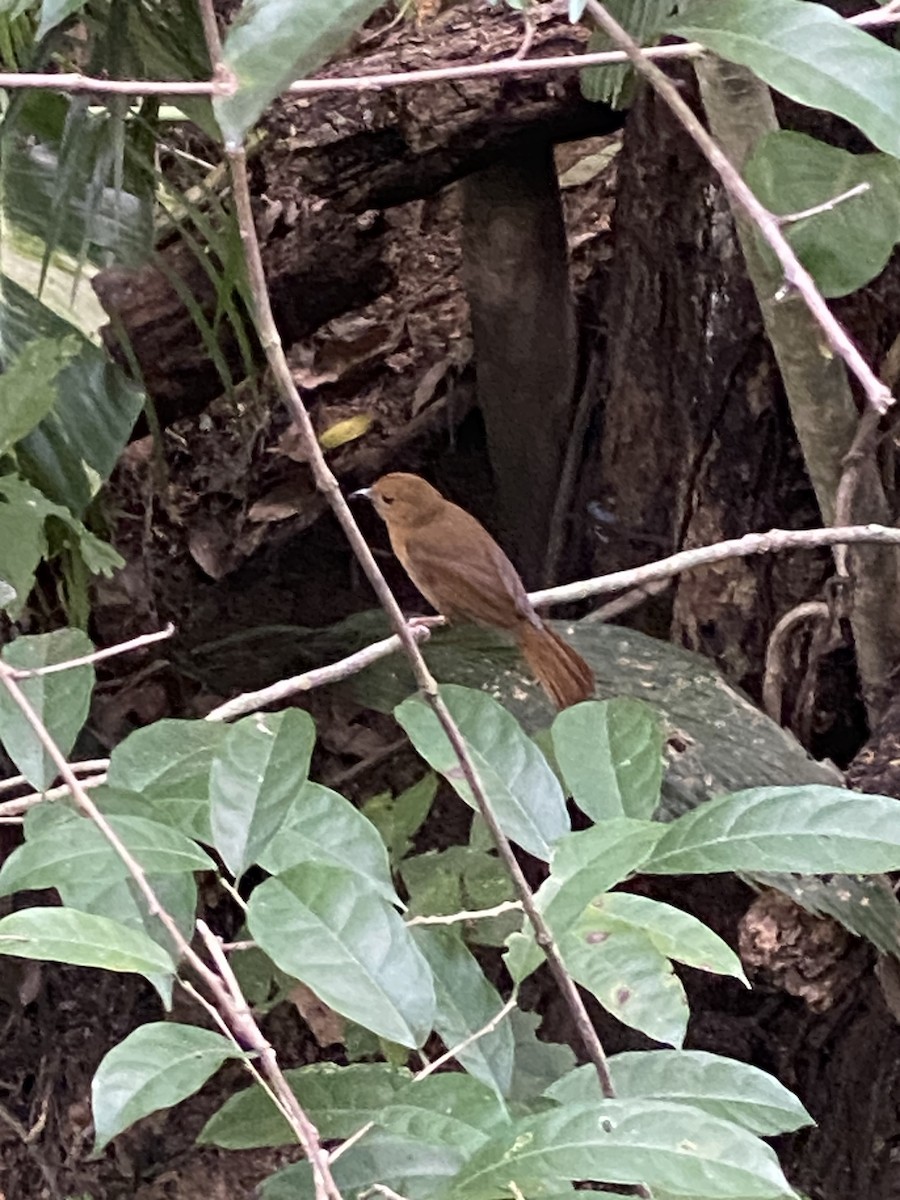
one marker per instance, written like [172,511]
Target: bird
[463,573]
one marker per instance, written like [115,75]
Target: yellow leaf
[345,431]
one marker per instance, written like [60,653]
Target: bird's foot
[425,622]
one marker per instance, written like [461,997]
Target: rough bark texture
[693,442]
[331,155]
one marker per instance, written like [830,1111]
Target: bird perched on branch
[460,569]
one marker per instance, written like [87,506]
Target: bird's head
[403,500]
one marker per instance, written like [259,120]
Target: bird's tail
[563,674]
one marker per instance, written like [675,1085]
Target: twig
[82,765]
[825,206]
[796,275]
[342,669]
[485,1029]
[145,639]
[241,1022]
[479,915]
[76,82]
[702,556]
[14,808]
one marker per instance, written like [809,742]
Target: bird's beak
[367,492]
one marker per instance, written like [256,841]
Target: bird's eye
[387,499]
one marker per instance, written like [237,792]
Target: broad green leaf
[169,764]
[28,386]
[411,1168]
[521,788]
[69,848]
[631,978]
[584,865]
[845,246]
[124,902]
[327,928]
[257,774]
[807,829]
[466,1002]
[27,520]
[673,932]
[722,1087]
[61,700]
[397,818]
[807,52]
[447,1109]
[462,878]
[610,753]
[23,543]
[273,42]
[323,827]
[65,935]
[537,1062]
[155,1067]
[675,1149]
[338,1101]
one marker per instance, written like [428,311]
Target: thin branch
[14,808]
[826,206]
[85,766]
[485,1029]
[796,275]
[226,86]
[342,669]
[145,639]
[240,1020]
[478,915]
[702,556]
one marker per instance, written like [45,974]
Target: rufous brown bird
[463,573]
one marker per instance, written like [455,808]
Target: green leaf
[610,753]
[673,932]
[809,829]
[323,827]
[631,978]
[68,848]
[25,540]
[446,1109]
[668,1147]
[583,866]
[256,776]
[155,1067]
[169,764]
[409,1167]
[60,700]
[327,928]
[806,52]
[65,935]
[845,246]
[273,42]
[397,818]
[733,1091]
[442,882]
[338,1101]
[28,386]
[123,901]
[466,1002]
[537,1062]
[521,788]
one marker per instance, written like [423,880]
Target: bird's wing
[460,569]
